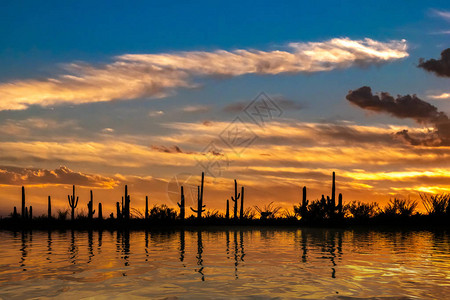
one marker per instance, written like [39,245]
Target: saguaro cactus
[15,213]
[146,207]
[200,206]
[227,216]
[31,212]
[49,208]
[242,204]
[304,207]
[100,211]
[181,205]
[235,199]
[339,207]
[90,206]
[126,210]
[23,203]
[333,192]
[118,212]
[73,202]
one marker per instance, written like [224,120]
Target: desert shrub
[62,214]
[438,204]
[317,210]
[361,210]
[249,213]
[136,213]
[268,211]
[400,207]
[162,212]
[289,214]
[212,214]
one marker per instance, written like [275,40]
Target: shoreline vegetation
[324,212]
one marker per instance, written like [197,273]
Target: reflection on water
[310,263]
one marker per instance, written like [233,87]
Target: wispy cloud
[133,76]
[196,108]
[442,14]
[156,113]
[441,96]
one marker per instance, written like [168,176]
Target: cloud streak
[132,76]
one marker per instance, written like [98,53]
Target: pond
[225,263]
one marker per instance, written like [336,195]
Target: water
[262,263]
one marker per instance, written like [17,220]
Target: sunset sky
[276,95]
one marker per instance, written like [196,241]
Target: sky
[276,95]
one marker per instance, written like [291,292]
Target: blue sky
[39,40]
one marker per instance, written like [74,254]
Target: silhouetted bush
[361,210]
[399,207]
[213,214]
[249,213]
[268,211]
[162,212]
[436,205]
[62,214]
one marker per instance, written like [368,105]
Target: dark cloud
[408,106]
[62,175]
[235,107]
[401,107]
[441,67]
[284,103]
[172,149]
[288,104]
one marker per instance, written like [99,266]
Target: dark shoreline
[414,223]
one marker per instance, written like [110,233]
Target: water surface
[264,263]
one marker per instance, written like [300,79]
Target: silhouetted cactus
[200,205]
[126,209]
[146,207]
[332,202]
[304,207]
[242,204]
[73,202]
[100,211]
[90,206]
[25,216]
[49,208]
[235,199]
[227,215]
[23,203]
[31,212]
[339,207]
[181,205]
[14,213]
[118,212]
[333,192]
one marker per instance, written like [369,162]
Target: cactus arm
[76,203]
[196,211]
